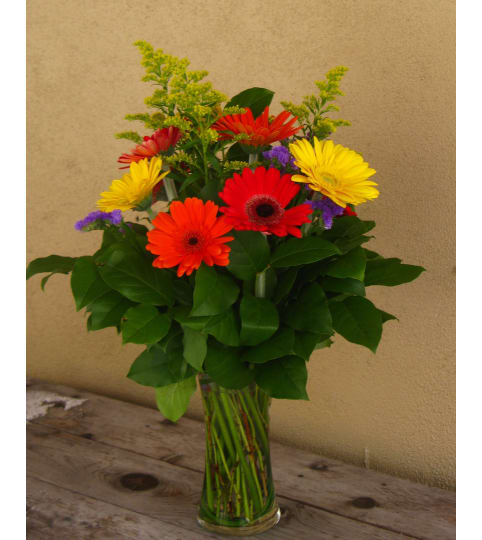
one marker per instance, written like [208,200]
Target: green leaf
[44,280]
[348,227]
[249,254]
[259,320]
[182,291]
[284,378]
[107,310]
[371,254]
[195,347]
[144,325]
[286,281]
[298,251]
[347,244]
[224,327]
[181,315]
[310,312]
[214,292]
[86,283]
[305,343]
[357,320]
[236,153]
[255,98]
[132,275]
[387,316]
[281,344]
[345,285]
[323,344]
[350,265]
[173,399]
[158,367]
[390,272]
[223,365]
[54,264]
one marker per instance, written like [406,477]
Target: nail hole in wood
[364,502]
[57,404]
[301,476]
[319,466]
[87,436]
[139,481]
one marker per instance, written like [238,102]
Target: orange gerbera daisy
[160,141]
[259,131]
[190,235]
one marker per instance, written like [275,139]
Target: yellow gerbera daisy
[335,171]
[132,188]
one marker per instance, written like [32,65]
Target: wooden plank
[368,496]
[54,512]
[95,470]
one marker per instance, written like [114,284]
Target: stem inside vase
[238,490]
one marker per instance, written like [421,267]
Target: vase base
[260,525]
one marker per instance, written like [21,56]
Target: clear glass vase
[238,495]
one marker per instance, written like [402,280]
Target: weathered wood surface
[54,512]
[89,448]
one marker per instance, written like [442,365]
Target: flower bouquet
[253,258]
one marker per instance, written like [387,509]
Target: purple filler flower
[329,210]
[95,220]
[280,154]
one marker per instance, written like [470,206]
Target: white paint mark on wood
[367,458]
[39,402]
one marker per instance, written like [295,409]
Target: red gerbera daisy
[257,202]
[160,141]
[259,131]
[190,235]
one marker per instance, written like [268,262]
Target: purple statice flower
[97,219]
[329,210]
[281,155]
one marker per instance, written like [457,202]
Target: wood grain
[95,470]
[54,512]
[358,494]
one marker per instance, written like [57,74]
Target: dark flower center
[265,210]
[193,241]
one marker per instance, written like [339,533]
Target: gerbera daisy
[160,141]
[190,235]
[132,188]
[257,201]
[337,172]
[259,131]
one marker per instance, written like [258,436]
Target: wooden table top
[106,469]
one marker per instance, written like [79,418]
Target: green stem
[239,450]
[249,450]
[253,158]
[257,419]
[209,488]
[170,188]
[150,213]
[223,427]
[260,285]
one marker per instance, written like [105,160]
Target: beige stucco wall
[393,411]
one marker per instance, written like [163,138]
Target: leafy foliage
[314,108]
[260,318]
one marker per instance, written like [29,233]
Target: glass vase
[238,495]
